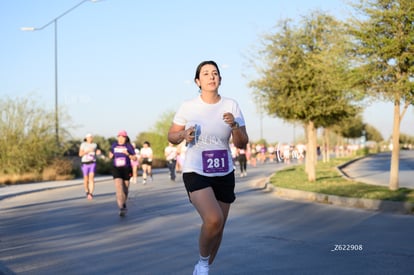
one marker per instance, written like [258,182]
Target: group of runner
[126,158]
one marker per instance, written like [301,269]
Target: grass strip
[330,181]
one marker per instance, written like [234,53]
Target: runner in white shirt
[207,123]
[146,155]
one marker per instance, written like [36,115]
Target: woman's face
[121,139]
[209,78]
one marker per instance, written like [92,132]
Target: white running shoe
[200,269]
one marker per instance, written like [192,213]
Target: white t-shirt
[209,154]
[170,153]
[146,152]
[90,156]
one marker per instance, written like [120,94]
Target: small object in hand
[194,130]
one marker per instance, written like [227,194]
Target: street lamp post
[54,22]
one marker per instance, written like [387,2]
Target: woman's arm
[178,134]
[239,133]
[81,151]
[240,137]
[131,154]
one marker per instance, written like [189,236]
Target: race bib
[90,157]
[120,162]
[215,161]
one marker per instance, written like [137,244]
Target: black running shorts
[124,173]
[223,186]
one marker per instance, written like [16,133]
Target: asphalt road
[58,231]
[375,169]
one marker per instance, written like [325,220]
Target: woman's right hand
[189,134]
[178,134]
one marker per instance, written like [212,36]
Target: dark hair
[147,143]
[209,62]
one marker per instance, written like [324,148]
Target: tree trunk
[395,156]
[307,161]
[340,146]
[326,145]
[311,152]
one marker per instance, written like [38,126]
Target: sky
[122,64]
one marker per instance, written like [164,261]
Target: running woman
[206,123]
[122,152]
[88,151]
[146,155]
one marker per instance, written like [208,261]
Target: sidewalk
[25,188]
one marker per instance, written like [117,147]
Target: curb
[342,172]
[362,203]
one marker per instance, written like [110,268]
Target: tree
[305,77]
[352,127]
[407,141]
[103,144]
[384,45]
[162,125]
[373,134]
[157,135]
[27,140]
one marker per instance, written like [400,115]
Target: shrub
[59,169]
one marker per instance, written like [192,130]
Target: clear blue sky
[123,63]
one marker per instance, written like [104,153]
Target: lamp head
[28,29]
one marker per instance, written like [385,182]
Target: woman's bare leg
[120,192]
[225,207]
[91,183]
[213,215]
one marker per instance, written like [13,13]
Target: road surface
[375,169]
[60,232]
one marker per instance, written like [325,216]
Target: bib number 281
[215,161]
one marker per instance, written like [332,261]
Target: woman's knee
[214,222]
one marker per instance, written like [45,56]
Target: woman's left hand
[228,118]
